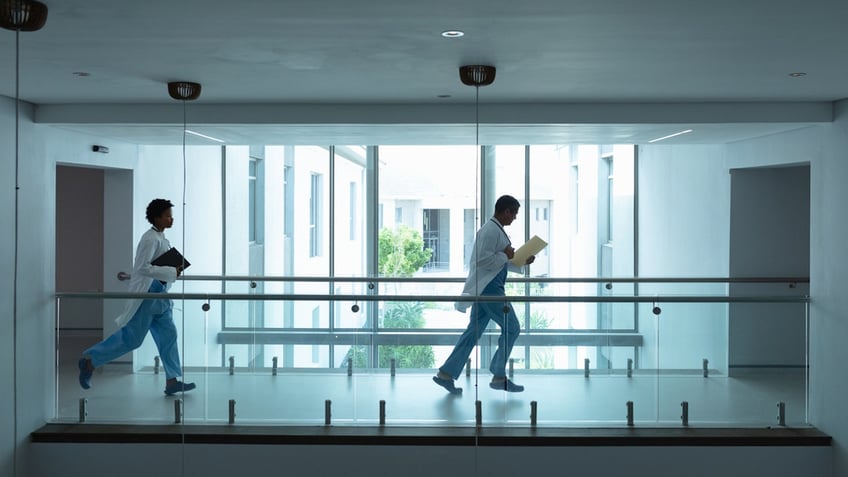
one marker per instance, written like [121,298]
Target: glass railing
[592,352]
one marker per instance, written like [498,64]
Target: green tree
[398,315]
[405,315]
[401,253]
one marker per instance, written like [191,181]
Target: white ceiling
[388,54]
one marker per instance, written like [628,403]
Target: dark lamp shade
[22,15]
[184,90]
[477,75]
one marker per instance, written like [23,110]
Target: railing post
[781,413]
[328,419]
[83,409]
[274,366]
[350,366]
[706,367]
[630,413]
[232,361]
[178,411]
[511,367]
[684,413]
[533,414]
[393,364]
[629,367]
[382,413]
[478,413]
[155,365]
[586,368]
[232,414]
[468,368]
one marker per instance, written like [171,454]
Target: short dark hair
[506,202]
[156,207]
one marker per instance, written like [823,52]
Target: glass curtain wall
[335,242]
[427,218]
[581,200]
[306,211]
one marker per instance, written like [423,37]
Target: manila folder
[532,247]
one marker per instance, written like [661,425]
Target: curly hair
[506,202]
[156,207]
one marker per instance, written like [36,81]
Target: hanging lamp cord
[182,284]
[480,208]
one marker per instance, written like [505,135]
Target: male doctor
[141,316]
[490,261]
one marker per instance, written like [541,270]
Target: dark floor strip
[428,436]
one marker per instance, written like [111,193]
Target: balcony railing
[588,346]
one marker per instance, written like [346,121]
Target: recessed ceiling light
[453,33]
[670,136]
[81,73]
[797,74]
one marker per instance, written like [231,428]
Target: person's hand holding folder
[526,254]
[172,258]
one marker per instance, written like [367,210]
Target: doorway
[769,237]
[94,241]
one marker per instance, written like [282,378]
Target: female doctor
[141,316]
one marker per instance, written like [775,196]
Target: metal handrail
[337,279]
[444,298]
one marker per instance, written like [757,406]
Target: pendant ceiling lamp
[18,16]
[477,76]
[184,91]
[22,15]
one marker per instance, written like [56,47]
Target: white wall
[41,148]
[828,276]
[8,440]
[826,148]
[684,203]
[33,336]
[36,274]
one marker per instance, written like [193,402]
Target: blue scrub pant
[481,313]
[153,315]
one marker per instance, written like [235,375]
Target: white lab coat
[152,244]
[487,260]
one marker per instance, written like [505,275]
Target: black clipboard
[171,258]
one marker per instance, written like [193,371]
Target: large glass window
[433,191]
[576,219]
[350,252]
[328,227]
[422,224]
